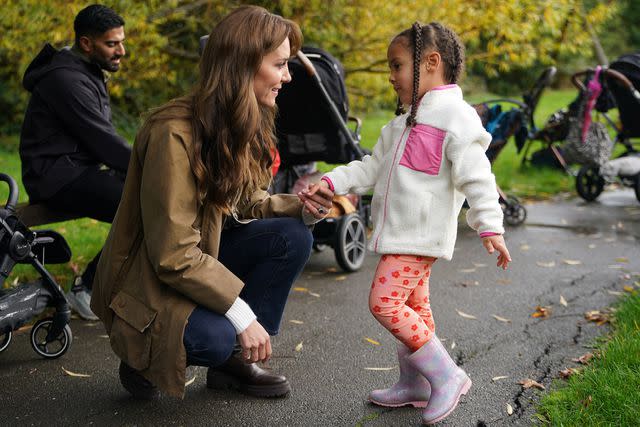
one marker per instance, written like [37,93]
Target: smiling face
[272,74]
[106,50]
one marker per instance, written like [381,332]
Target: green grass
[607,392]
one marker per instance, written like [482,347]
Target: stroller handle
[576,80]
[12,199]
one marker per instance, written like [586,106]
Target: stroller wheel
[54,348]
[5,340]
[351,242]
[589,183]
[514,212]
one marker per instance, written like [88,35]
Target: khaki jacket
[160,258]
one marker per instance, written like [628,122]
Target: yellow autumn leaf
[74,374]
[499,377]
[299,346]
[297,322]
[465,315]
[572,261]
[340,278]
[369,340]
[371,368]
[628,288]
[563,301]
[546,264]
[300,289]
[622,259]
[509,410]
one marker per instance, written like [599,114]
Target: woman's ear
[432,61]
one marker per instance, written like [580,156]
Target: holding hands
[317,199]
[496,243]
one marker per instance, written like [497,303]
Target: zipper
[386,194]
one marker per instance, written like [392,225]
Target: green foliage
[162,41]
[607,392]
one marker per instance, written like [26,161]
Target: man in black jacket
[72,158]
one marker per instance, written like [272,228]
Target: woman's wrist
[240,315]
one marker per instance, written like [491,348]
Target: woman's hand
[317,199]
[255,343]
[496,243]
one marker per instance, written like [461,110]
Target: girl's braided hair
[432,37]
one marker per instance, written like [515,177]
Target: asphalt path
[569,258]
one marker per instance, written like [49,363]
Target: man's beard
[106,64]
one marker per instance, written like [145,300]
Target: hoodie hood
[50,59]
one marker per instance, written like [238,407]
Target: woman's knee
[209,338]
[298,237]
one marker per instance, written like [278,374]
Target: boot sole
[463,390]
[415,404]
[221,381]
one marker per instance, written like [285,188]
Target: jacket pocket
[423,150]
[130,331]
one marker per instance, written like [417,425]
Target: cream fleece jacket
[420,177]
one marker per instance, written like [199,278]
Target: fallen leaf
[525,247]
[546,264]
[509,410]
[568,372]
[542,312]
[584,359]
[586,402]
[371,368]
[374,342]
[615,293]
[501,319]
[465,315]
[313,294]
[499,377]
[340,278]
[479,265]
[628,288]
[299,346]
[103,336]
[468,283]
[622,259]
[596,316]
[504,281]
[467,270]
[563,301]
[528,383]
[188,383]
[592,246]
[73,374]
[331,270]
[300,289]
[33,370]
[572,261]
[297,322]
[453,345]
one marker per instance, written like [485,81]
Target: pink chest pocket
[423,150]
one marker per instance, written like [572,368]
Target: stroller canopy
[628,106]
[306,129]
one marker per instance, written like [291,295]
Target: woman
[187,276]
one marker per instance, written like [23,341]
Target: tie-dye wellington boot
[411,389]
[448,381]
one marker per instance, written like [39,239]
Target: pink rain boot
[411,389]
[448,381]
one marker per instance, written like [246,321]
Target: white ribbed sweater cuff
[240,315]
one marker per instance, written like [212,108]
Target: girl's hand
[255,343]
[317,199]
[496,243]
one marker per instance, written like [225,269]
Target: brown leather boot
[247,378]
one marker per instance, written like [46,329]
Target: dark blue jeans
[267,255]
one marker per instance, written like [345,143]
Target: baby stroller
[312,126]
[50,337]
[519,123]
[607,88]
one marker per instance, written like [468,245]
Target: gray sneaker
[79,298]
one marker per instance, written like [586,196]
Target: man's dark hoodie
[67,126]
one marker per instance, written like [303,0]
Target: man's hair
[95,20]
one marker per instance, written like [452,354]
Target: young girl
[424,165]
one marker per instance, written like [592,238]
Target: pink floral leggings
[399,298]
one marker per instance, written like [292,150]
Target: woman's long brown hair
[233,135]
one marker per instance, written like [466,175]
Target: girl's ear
[432,61]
